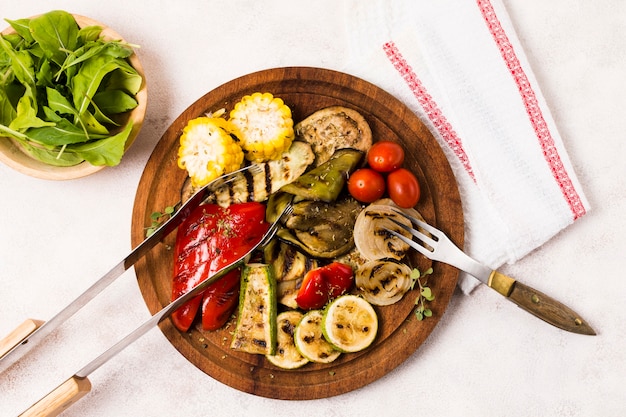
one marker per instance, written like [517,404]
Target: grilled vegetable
[371,238]
[263,125]
[210,238]
[326,182]
[383,281]
[290,267]
[256,322]
[310,341]
[322,230]
[333,128]
[287,355]
[207,150]
[257,186]
[323,284]
[349,323]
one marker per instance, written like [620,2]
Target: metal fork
[75,387]
[31,332]
[434,244]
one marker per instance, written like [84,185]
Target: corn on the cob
[263,125]
[207,150]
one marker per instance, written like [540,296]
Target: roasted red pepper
[323,284]
[210,238]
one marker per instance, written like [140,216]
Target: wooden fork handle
[20,333]
[60,399]
[539,304]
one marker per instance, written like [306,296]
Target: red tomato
[324,284]
[366,185]
[403,188]
[385,156]
[210,238]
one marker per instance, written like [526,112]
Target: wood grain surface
[305,90]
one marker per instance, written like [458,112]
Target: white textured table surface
[486,358]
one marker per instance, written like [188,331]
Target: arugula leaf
[21,28]
[26,117]
[89,34]
[61,87]
[62,133]
[88,79]
[55,157]
[7,112]
[57,34]
[22,63]
[114,101]
[107,151]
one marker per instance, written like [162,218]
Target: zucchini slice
[349,323]
[287,356]
[310,341]
[256,322]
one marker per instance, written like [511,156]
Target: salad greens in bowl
[72,96]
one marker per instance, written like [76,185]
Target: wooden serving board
[304,90]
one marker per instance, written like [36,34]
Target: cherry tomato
[403,188]
[323,284]
[385,156]
[366,185]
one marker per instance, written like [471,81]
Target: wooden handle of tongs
[20,333]
[60,399]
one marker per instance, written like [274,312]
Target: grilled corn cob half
[207,150]
[263,125]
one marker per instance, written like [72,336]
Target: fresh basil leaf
[57,34]
[114,101]
[108,151]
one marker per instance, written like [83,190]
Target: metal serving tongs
[31,332]
[76,386]
[435,245]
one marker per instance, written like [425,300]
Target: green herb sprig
[425,293]
[158,218]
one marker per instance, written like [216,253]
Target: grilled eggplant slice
[333,128]
[320,229]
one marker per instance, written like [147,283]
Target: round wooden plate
[305,90]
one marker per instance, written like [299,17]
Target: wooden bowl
[12,155]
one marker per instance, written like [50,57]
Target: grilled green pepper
[326,182]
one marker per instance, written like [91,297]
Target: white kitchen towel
[459,66]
